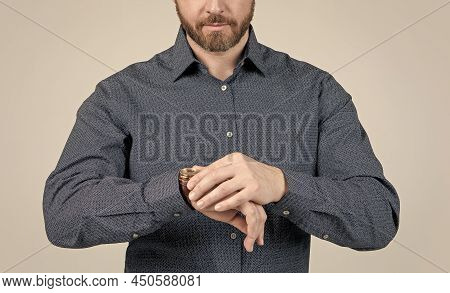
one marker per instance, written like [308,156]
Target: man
[277,142]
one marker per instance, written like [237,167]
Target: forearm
[84,209]
[88,200]
[360,212]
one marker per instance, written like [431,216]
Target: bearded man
[276,144]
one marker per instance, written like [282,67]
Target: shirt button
[285,213]
[325,236]
[176,214]
[224,87]
[229,134]
[135,235]
[233,235]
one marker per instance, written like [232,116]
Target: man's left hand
[248,179]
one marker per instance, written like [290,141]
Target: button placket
[228,94]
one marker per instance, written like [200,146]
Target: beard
[216,41]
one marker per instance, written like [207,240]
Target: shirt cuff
[298,198]
[163,195]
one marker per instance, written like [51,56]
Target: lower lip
[215,27]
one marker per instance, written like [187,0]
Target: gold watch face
[187,173]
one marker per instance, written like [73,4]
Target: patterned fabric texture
[116,179]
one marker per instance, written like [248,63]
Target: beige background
[54,52]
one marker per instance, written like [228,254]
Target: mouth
[215,26]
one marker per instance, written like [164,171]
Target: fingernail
[191,195]
[218,206]
[200,204]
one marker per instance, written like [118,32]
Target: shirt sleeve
[349,202]
[88,199]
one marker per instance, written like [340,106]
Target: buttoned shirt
[116,180]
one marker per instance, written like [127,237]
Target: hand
[252,226]
[237,174]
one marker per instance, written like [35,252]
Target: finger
[251,217]
[239,222]
[209,180]
[261,224]
[221,192]
[235,219]
[202,172]
[263,217]
[231,158]
[224,161]
[197,177]
[198,167]
[260,236]
[210,207]
[234,201]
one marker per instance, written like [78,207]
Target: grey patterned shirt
[116,179]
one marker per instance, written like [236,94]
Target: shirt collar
[183,56]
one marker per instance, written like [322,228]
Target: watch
[183,177]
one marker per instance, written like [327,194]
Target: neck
[219,64]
